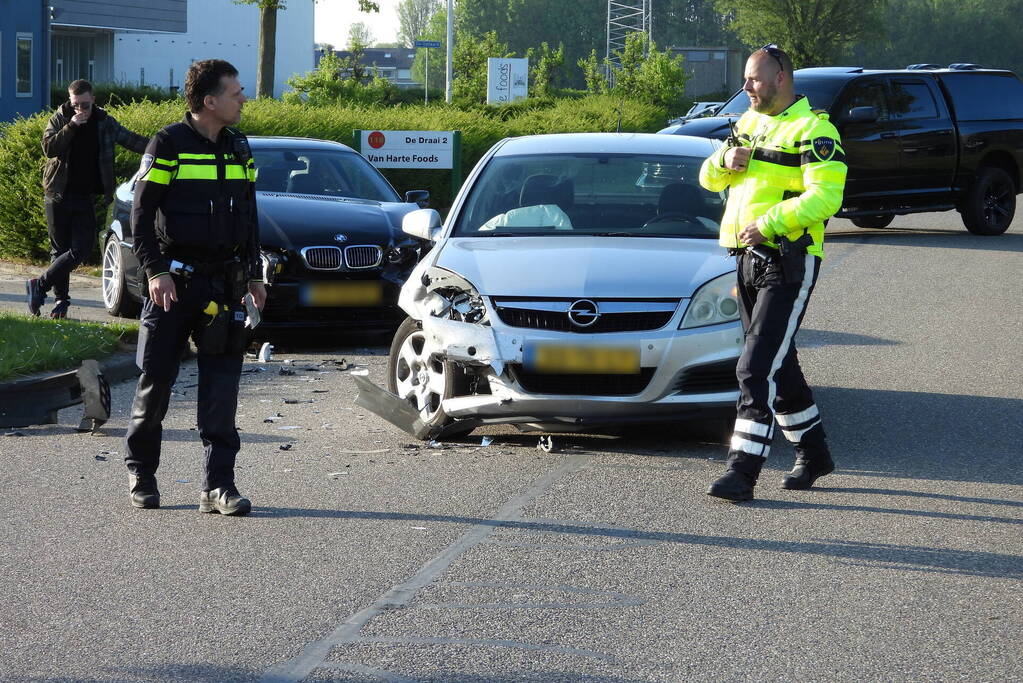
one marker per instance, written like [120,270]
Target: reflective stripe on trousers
[770,379]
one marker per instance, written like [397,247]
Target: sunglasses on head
[773,50]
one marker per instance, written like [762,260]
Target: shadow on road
[919,435]
[1008,242]
[914,558]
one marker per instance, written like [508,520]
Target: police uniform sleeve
[713,174]
[158,169]
[255,265]
[822,163]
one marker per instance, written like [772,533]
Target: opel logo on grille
[583,313]
[340,238]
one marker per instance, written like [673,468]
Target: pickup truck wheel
[414,375]
[116,298]
[874,222]
[990,203]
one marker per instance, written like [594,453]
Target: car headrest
[680,198]
[546,189]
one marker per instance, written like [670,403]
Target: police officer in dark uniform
[197,239]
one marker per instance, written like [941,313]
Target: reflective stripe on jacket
[794,181]
[195,200]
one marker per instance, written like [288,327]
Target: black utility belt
[189,267]
[761,251]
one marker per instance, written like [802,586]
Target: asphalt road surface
[371,557]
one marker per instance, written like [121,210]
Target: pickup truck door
[871,147]
[927,138]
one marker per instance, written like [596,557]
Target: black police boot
[144,493]
[740,478]
[810,466]
[226,500]
[34,295]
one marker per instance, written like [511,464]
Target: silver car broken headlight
[715,302]
[453,297]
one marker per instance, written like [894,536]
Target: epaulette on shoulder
[821,114]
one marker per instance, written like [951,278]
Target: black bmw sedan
[333,252]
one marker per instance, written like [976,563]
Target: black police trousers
[72,225]
[163,336]
[771,383]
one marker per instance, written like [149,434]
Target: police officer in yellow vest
[197,239]
[785,170]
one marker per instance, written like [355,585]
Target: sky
[333,17]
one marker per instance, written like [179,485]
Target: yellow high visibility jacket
[794,180]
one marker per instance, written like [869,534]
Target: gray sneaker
[34,295]
[226,500]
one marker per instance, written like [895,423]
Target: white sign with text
[507,80]
[408,148]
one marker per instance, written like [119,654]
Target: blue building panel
[169,16]
[24,66]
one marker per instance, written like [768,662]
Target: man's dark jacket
[57,148]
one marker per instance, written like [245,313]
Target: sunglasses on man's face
[773,50]
[83,106]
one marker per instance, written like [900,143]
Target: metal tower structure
[625,17]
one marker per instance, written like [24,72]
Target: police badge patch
[824,148]
[147,163]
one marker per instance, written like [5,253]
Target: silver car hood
[584,266]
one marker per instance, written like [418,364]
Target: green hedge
[23,224]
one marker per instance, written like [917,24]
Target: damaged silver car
[577,282]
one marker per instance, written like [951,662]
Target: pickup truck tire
[990,203]
[872,221]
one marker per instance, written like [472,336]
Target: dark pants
[72,225]
[771,383]
[163,336]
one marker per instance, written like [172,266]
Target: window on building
[23,65]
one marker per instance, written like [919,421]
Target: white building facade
[217,29]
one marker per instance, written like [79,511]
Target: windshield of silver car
[627,195]
[323,173]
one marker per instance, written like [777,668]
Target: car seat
[681,198]
[271,179]
[545,189]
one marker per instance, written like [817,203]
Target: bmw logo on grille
[583,313]
[340,238]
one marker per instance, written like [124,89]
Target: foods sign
[507,80]
[408,148]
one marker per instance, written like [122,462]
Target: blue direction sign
[427,43]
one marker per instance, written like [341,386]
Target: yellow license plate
[358,293]
[602,360]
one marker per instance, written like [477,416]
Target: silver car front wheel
[115,294]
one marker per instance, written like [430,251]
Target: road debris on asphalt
[285,446]
[546,444]
[293,401]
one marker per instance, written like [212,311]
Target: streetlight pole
[451,43]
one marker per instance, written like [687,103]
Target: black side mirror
[421,198]
[860,115]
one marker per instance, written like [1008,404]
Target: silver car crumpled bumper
[498,349]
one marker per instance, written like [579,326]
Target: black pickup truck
[917,139]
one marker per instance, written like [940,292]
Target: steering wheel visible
[673,217]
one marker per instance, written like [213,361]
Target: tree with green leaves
[640,71]
[413,18]
[268,39]
[812,32]
[544,65]
[469,63]
[359,34]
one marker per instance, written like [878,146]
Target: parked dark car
[333,252]
[918,139]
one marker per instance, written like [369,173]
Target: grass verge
[30,344]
